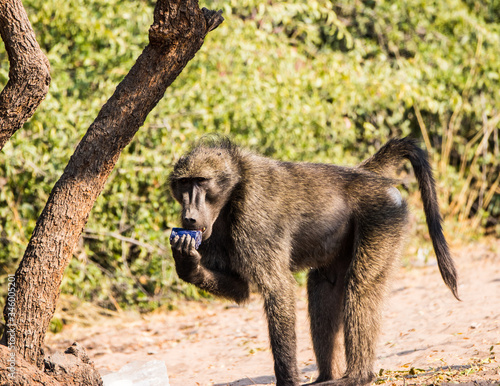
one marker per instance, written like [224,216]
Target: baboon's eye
[183,181]
[200,180]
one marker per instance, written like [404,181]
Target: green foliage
[297,80]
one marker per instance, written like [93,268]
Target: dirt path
[424,328]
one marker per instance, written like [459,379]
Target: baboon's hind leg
[378,245]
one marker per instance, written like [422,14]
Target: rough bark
[177,33]
[29,74]
[73,367]
[23,374]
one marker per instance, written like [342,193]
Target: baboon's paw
[340,382]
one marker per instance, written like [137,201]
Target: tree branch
[29,75]
[177,33]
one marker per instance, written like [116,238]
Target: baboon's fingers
[174,241]
[178,242]
[192,245]
[187,245]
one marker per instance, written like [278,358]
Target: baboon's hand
[187,258]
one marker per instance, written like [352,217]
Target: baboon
[262,219]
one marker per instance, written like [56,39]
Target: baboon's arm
[225,284]
[190,269]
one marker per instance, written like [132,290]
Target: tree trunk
[29,74]
[177,33]
[73,367]
[22,373]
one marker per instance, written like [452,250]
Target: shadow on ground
[264,380]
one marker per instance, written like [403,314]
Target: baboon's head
[202,182]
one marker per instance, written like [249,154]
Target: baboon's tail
[384,162]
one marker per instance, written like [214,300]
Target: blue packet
[196,235]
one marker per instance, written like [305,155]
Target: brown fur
[264,219]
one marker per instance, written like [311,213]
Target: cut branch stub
[213,18]
[175,21]
[176,35]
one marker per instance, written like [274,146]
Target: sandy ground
[427,337]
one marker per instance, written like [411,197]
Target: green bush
[297,80]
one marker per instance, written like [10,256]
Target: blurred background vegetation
[301,80]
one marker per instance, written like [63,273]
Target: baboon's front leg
[279,304]
[325,288]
